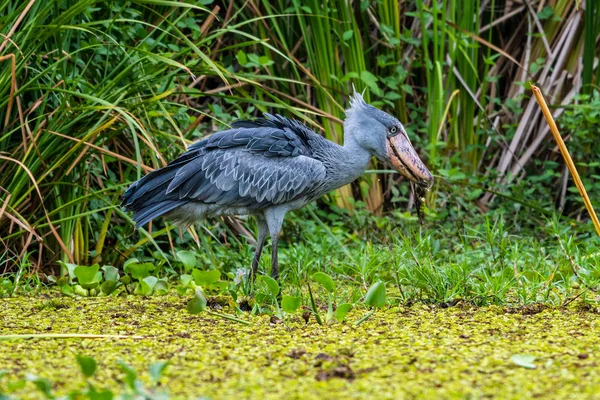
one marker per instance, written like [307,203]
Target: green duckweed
[419,351]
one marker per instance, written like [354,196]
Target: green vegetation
[421,350]
[94,94]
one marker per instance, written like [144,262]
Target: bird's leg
[263,230]
[275,262]
[274,219]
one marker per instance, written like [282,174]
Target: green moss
[399,353]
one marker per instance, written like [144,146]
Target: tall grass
[93,100]
[93,94]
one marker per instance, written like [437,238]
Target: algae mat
[414,352]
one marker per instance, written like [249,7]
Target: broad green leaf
[139,270]
[185,280]
[241,57]
[342,310]
[156,370]
[206,278]
[187,258]
[130,374]
[42,384]
[105,394]
[148,284]
[290,304]
[197,304]
[376,295]
[108,287]
[87,365]
[272,285]
[261,298]
[265,61]
[70,268]
[88,277]
[80,291]
[347,35]
[64,280]
[67,290]
[110,273]
[370,80]
[325,281]
[524,360]
[546,13]
[130,261]
[161,288]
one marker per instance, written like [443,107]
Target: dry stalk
[567,157]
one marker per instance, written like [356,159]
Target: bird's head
[385,138]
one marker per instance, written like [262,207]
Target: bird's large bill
[404,158]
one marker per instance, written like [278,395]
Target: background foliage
[93,94]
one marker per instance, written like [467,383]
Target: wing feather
[254,164]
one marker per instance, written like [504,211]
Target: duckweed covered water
[419,351]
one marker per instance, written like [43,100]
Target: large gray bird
[268,167]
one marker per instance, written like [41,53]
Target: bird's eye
[393,130]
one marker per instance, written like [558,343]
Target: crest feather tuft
[357,102]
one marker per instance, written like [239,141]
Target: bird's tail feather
[154,210]
[148,198]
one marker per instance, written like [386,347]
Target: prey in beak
[401,154]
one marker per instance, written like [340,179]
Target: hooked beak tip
[426,183]
[411,167]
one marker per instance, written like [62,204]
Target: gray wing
[242,178]
[255,164]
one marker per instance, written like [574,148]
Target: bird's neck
[349,162]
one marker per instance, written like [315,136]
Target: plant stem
[363,319]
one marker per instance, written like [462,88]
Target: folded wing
[254,165]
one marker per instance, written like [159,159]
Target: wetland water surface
[419,351]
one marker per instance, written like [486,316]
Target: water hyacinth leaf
[159,255]
[70,268]
[80,291]
[290,304]
[88,277]
[221,286]
[139,270]
[161,288]
[87,365]
[107,287]
[325,281]
[181,290]
[206,278]
[130,261]
[271,284]
[64,280]
[148,284]
[376,295]
[261,298]
[185,280]
[197,304]
[105,394]
[524,360]
[187,258]
[42,384]
[67,290]
[110,273]
[130,374]
[156,370]
[342,310]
